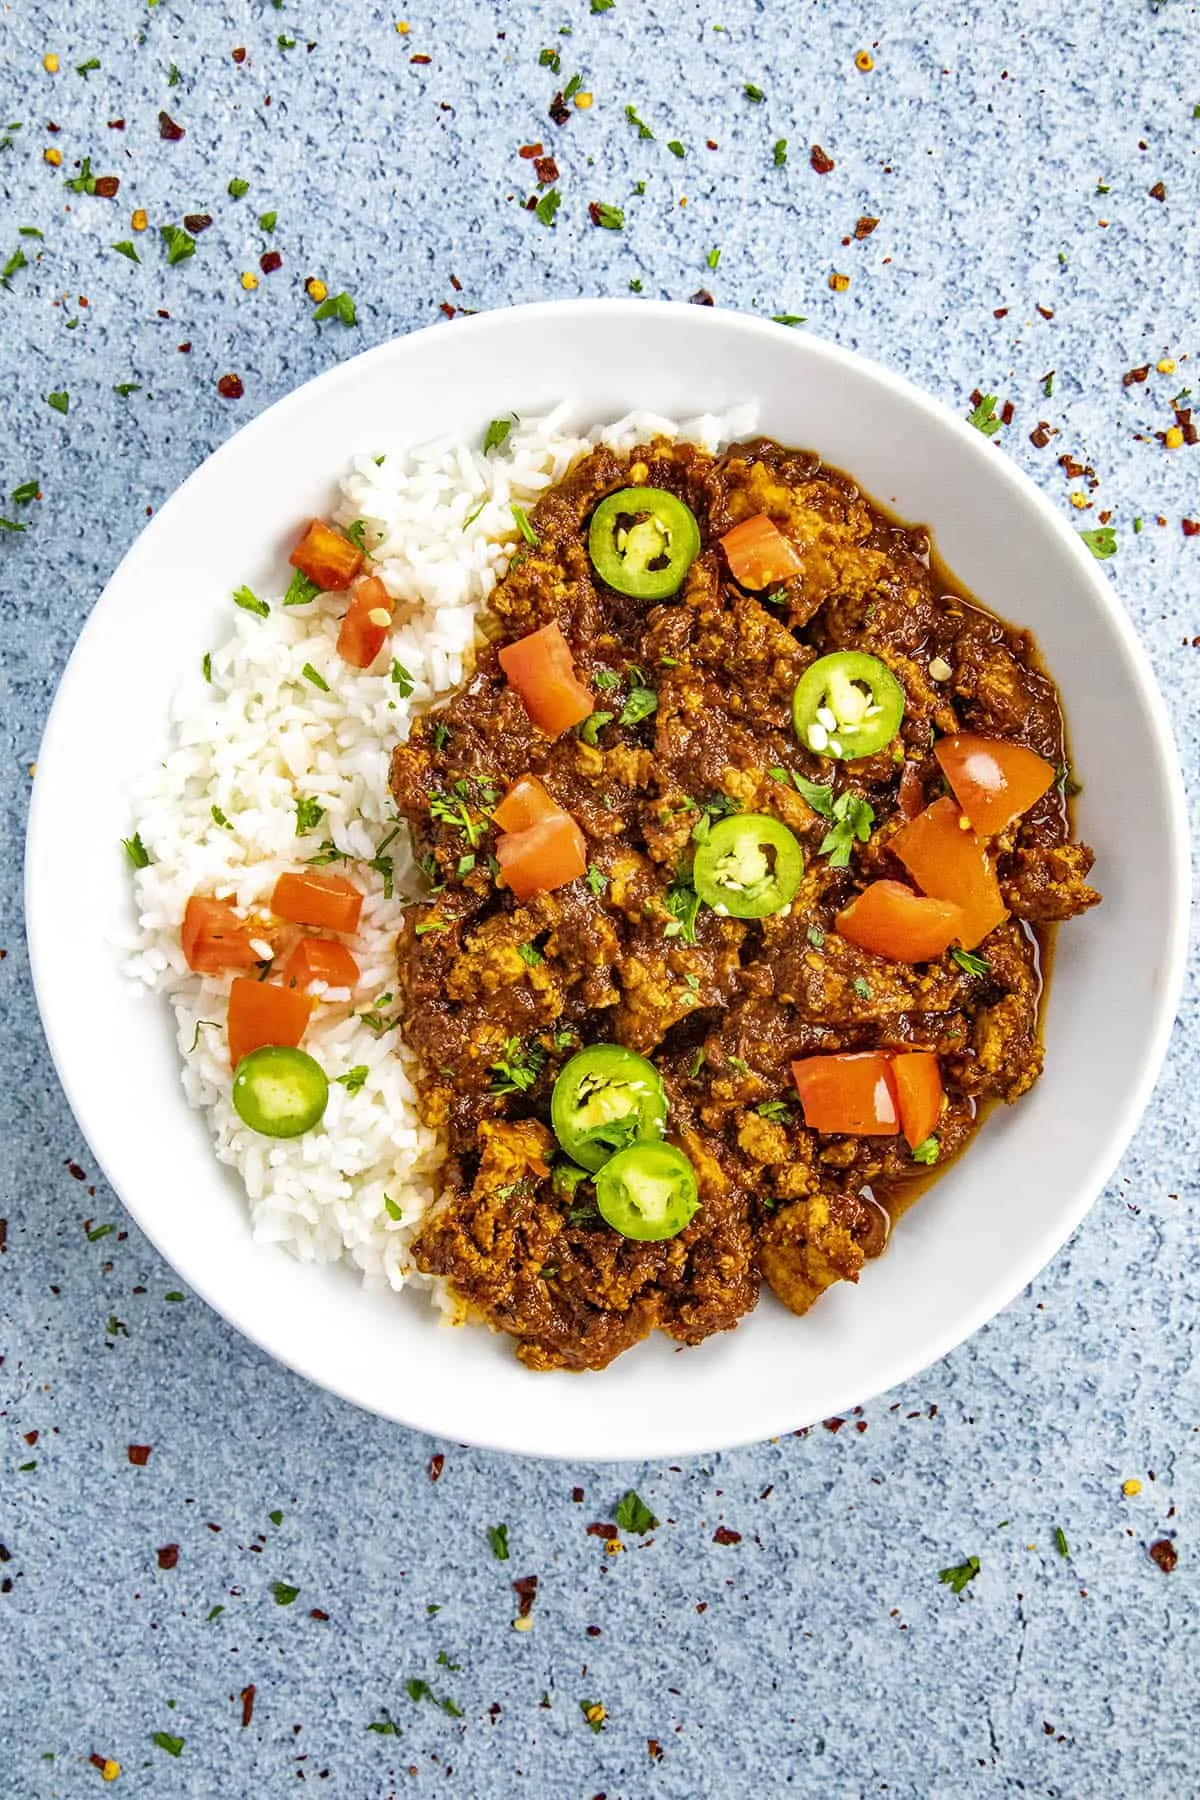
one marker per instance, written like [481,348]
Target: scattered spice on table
[168,129]
[822,163]
[139,1454]
[168,1556]
[247,1699]
[230,387]
[1164,1553]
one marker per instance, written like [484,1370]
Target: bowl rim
[1176,877]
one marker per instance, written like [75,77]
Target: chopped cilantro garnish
[634,1515]
[214,1614]
[1060,1541]
[164,1741]
[315,676]
[18,260]
[547,207]
[237,188]
[852,820]
[250,602]
[309,814]
[683,903]
[816,937]
[218,818]
[642,701]
[752,92]
[610,218]
[126,249]
[983,416]
[136,851]
[337,306]
[676,148]
[85,181]
[1048,384]
[523,525]
[60,402]
[393,1211]
[643,130]
[529,953]
[402,679]
[592,726]
[779,154]
[85,68]
[385,1726]
[27,492]
[603,6]
[354,1078]
[550,59]
[124,388]
[99,1231]
[788,318]
[496,435]
[602,678]
[284,1594]
[969,962]
[928,1151]
[356,531]
[776,1111]
[206,666]
[518,1069]
[573,86]
[179,244]
[31,231]
[862,987]
[1102,542]
[595,1715]
[958,1576]
[595,880]
[498,1539]
[300,590]
[712,259]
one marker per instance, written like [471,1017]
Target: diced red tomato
[367,621]
[313,899]
[949,862]
[758,554]
[214,938]
[320,959]
[542,857]
[994,782]
[540,667]
[890,920]
[525,804]
[326,557]
[851,1095]
[917,1077]
[262,1013]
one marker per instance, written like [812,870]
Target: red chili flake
[835,1425]
[456,284]
[83,301]
[525,1588]
[51,126]
[702,297]
[230,387]
[437,1463]
[577,1496]
[197,222]
[139,1454]
[1158,191]
[107,185]
[445,306]
[317,1614]
[168,129]
[654,1750]
[31,1437]
[4,1247]
[1191,528]
[702,1606]
[239,55]
[184,349]
[546,170]
[723,1535]
[711,144]
[529,151]
[420,59]
[560,112]
[168,1556]
[269,261]
[865,227]
[247,1705]
[593,1631]
[1001,312]
[822,163]
[1047,312]
[1164,1553]
[1042,434]
[1006,413]
[602,1530]
[163,313]
[530,205]
[1132,376]
[861,1426]
[116,124]
[74,1169]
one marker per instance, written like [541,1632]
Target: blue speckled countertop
[1034,172]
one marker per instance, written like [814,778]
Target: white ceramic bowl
[982,1232]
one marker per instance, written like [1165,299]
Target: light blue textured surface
[818,1655]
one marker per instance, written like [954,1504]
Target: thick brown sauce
[724,1015]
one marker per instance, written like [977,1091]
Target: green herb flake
[643,130]
[315,676]
[18,260]
[776,1111]
[642,701]
[136,851]
[31,231]
[126,249]
[596,881]
[99,1231]
[594,1713]
[983,418]
[788,318]
[1137,526]
[496,435]
[573,86]
[309,814]
[969,962]
[179,244]
[219,818]
[634,1515]
[523,525]
[237,188]
[250,602]
[173,76]
[164,1741]
[267,221]
[928,1151]
[284,1594]
[385,1726]
[603,6]
[635,286]
[1048,384]
[550,59]
[779,154]
[125,388]
[393,1211]
[86,68]
[517,1070]
[752,92]
[300,590]
[337,306]
[958,1577]
[712,259]
[862,987]
[529,953]
[276,1518]
[609,218]
[676,148]
[498,1539]
[214,1614]
[816,937]
[852,818]
[60,402]
[84,182]
[173,1294]
[593,725]
[1060,1542]
[354,1078]
[1102,541]
[683,903]
[546,208]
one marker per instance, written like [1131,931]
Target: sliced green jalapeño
[748,865]
[642,541]
[605,1099]
[279,1091]
[648,1192]
[847,705]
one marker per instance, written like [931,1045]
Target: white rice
[261,736]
